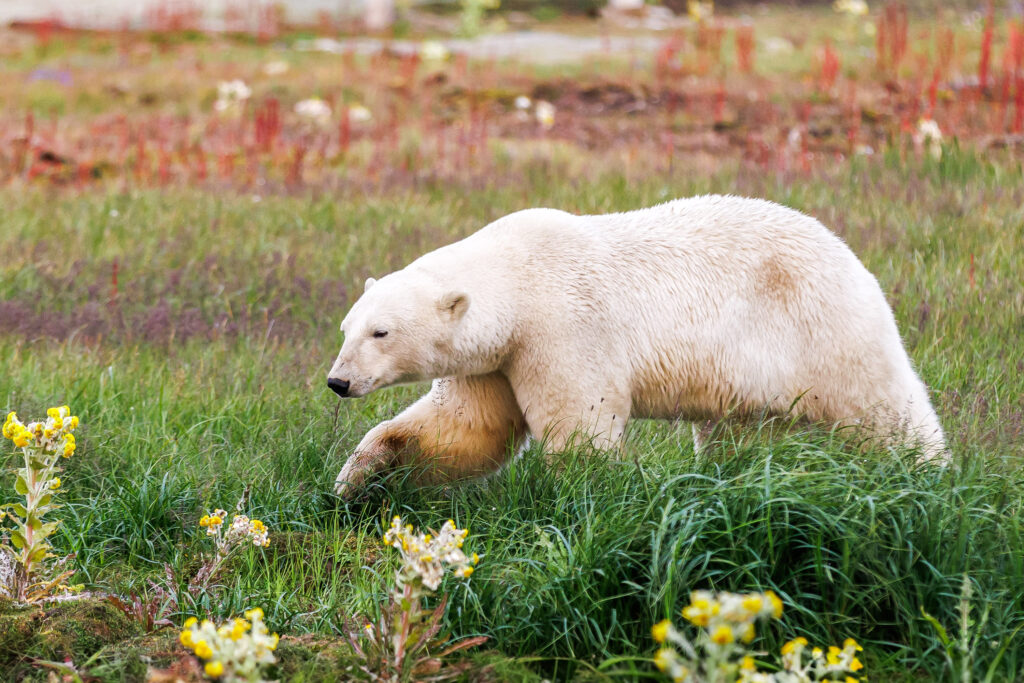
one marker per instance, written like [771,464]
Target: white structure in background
[626,5]
[380,14]
[113,14]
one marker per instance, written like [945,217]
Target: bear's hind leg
[464,426]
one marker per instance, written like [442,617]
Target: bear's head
[402,329]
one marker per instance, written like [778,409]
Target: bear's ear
[370,282]
[454,304]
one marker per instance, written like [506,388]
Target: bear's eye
[380,333]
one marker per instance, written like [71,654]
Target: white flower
[523,102]
[275,68]
[230,94]
[433,51]
[776,45]
[314,109]
[856,8]
[929,135]
[233,90]
[929,130]
[357,113]
[545,113]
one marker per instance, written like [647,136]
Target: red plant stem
[113,282]
[295,173]
[829,67]
[720,102]
[200,163]
[1018,102]
[745,48]
[933,92]
[986,50]
[344,131]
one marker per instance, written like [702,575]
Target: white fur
[696,309]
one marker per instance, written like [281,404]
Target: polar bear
[554,326]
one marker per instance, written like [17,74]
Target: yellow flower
[274,638]
[851,679]
[190,622]
[722,635]
[476,559]
[216,521]
[660,630]
[9,425]
[74,422]
[238,629]
[856,665]
[186,638]
[747,664]
[698,612]
[748,632]
[213,669]
[792,645]
[752,603]
[817,653]
[664,658]
[55,484]
[255,613]
[22,438]
[852,644]
[833,655]
[205,521]
[203,650]
[69,445]
[776,604]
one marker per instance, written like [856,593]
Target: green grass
[204,377]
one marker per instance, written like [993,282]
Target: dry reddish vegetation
[141,115]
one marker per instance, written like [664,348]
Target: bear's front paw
[371,455]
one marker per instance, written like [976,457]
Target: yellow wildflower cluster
[818,666]
[729,617]
[237,650]
[424,556]
[52,436]
[213,521]
[241,528]
[42,443]
[728,622]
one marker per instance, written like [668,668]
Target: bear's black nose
[340,387]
